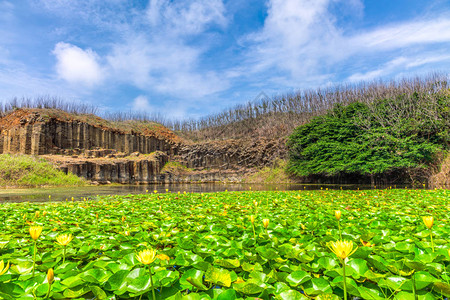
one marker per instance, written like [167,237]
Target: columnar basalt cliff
[36,136]
[142,169]
[97,153]
[92,148]
[231,154]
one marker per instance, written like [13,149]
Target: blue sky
[191,58]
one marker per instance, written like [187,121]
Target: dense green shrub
[388,135]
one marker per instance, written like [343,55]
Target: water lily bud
[337,214]
[3,268]
[428,221]
[50,276]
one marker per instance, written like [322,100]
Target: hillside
[247,138]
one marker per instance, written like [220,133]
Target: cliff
[233,154]
[38,132]
[128,152]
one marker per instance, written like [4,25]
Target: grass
[176,168]
[274,174]
[29,171]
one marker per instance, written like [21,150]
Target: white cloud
[186,17]
[379,72]
[164,59]
[400,64]
[404,34]
[163,66]
[301,41]
[141,104]
[77,66]
[294,35]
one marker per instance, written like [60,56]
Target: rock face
[231,154]
[143,170]
[92,152]
[88,148]
[56,137]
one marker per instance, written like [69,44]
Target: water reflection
[61,194]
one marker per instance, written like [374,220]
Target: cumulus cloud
[78,66]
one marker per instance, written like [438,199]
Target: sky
[187,59]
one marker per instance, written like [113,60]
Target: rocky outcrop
[144,169]
[203,177]
[56,137]
[87,147]
[231,154]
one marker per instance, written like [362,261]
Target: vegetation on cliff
[274,174]
[29,171]
[406,134]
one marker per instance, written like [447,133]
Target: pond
[78,193]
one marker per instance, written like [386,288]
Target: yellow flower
[162,257]
[252,219]
[64,239]
[266,223]
[337,214]
[35,232]
[50,276]
[342,249]
[146,256]
[428,221]
[3,269]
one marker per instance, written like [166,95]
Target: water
[78,193]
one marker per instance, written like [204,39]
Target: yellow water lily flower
[146,256]
[50,275]
[342,249]
[337,214]
[35,232]
[265,223]
[64,239]
[428,221]
[3,269]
